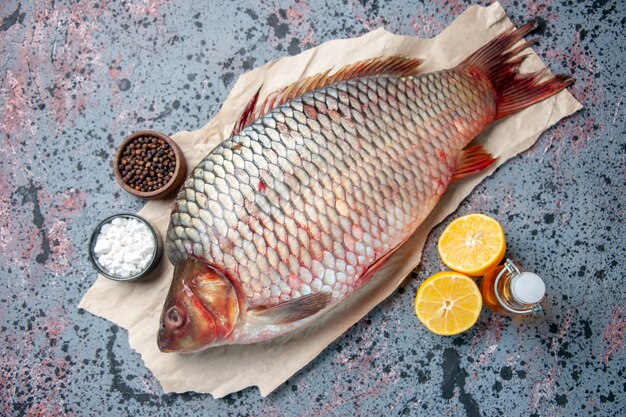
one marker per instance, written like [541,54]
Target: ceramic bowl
[171,186]
[155,256]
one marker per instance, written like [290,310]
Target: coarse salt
[124,247]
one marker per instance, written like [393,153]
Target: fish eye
[174,318]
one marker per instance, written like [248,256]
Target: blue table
[77,77]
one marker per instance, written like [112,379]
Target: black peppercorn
[147,164]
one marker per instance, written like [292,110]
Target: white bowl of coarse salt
[125,247]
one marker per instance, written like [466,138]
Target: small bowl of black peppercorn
[150,165]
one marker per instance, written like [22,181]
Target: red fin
[474,159]
[246,114]
[376,266]
[296,309]
[373,268]
[393,65]
[499,61]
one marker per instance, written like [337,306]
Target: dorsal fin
[246,113]
[391,65]
[295,309]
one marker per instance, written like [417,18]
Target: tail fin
[500,61]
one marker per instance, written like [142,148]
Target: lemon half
[472,244]
[448,303]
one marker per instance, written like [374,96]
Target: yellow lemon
[472,244]
[448,303]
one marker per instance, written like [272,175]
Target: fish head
[201,308]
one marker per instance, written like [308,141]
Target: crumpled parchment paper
[220,371]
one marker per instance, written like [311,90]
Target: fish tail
[499,61]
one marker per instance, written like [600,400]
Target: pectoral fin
[294,310]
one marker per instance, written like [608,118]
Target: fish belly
[311,195]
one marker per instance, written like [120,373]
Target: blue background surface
[76,77]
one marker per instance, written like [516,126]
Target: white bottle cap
[527,288]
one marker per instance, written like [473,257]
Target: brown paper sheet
[220,371]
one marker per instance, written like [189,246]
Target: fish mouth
[164,342]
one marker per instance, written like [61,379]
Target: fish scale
[361,176]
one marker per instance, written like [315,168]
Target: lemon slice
[448,303]
[472,244]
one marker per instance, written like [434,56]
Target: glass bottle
[509,292]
